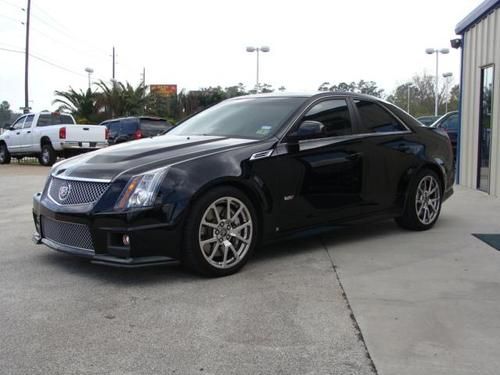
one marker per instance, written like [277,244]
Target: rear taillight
[138,134]
[106,133]
[62,133]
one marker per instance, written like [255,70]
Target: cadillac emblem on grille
[64,191]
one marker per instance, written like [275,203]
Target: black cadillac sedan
[247,170]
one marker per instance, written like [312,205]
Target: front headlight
[141,190]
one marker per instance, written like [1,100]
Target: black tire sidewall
[192,256]
[7,155]
[52,156]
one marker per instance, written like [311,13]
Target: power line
[12,19]
[44,60]
[60,28]
[12,4]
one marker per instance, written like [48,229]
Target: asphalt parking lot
[425,303]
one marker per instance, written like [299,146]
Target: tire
[48,156]
[213,245]
[4,154]
[423,204]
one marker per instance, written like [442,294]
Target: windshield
[253,118]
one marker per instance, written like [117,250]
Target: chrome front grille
[68,234]
[72,192]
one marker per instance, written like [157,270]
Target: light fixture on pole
[409,86]
[258,50]
[89,72]
[447,76]
[437,51]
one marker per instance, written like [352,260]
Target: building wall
[481,48]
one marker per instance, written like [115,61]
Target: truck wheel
[48,155]
[4,154]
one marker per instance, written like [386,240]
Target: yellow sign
[164,90]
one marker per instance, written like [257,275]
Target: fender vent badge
[261,155]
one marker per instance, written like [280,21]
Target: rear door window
[376,119]
[151,127]
[451,123]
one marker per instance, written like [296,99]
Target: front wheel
[48,156]
[423,204]
[220,233]
[4,154]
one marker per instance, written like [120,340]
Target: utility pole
[144,77]
[113,63]
[26,58]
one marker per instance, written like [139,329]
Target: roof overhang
[475,16]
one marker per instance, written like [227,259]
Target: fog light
[126,240]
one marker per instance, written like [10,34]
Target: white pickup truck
[47,135]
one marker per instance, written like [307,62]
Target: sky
[200,43]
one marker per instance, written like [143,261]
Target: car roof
[134,117]
[308,94]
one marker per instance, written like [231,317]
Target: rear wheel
[48,155]
[221,232]
[423,204]
[4,154]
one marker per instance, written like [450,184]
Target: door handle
[403,147]
[353,157]
[29,131]
[18,133]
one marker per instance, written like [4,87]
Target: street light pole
[408,105]
[26,58]
[447,76]
[258,50]
[430,51]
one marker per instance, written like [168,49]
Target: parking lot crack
[351,312]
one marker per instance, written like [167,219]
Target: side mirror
[308,129]
[11,128]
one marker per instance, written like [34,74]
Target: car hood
[143,155]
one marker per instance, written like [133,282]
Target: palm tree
[81,104]
[120,99]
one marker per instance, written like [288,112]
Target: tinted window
[129,126]
[28,122]
[334,115]
[114,128]
[253,118]
[375,119]
[151,127]
[451,122]
[18,124]
[48,119]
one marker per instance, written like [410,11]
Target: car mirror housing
[307,129]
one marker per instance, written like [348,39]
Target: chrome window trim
[352,136]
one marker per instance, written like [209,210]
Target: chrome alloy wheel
[2,154]
[45,155]
[427,199]
[225,232]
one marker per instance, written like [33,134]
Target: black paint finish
[297,184]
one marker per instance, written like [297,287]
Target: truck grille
[71,192]
[68,234]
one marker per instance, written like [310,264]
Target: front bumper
[152,240]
